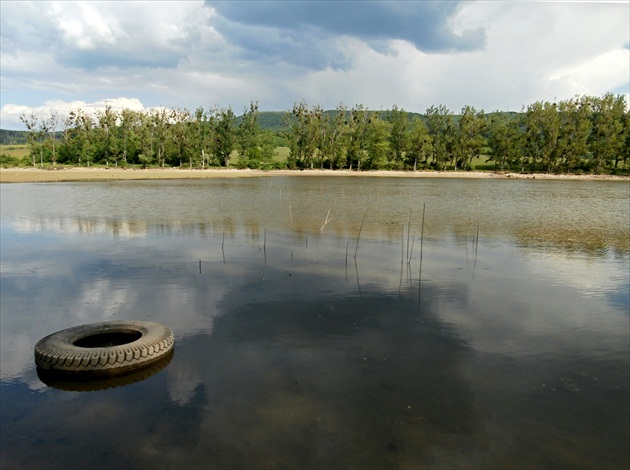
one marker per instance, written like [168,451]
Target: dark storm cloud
[302,32]
[309,48]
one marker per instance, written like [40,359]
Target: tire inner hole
[105,340]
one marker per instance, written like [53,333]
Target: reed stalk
[408,232]
[359,236]
[477,240]
[265,246]
[424,206]
[402,245]
[326,221]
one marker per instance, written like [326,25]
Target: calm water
[493,335]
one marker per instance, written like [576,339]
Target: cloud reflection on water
[290,355]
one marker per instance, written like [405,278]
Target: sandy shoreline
[33,175]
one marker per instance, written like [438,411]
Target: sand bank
[30,175]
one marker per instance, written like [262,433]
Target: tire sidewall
[57,352]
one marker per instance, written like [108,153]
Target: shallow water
[493,335]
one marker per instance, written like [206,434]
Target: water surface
[492,335]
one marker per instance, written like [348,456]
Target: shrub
[7,160]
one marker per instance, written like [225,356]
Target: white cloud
[182,55]
[10,113]
[89,29]
[609,67]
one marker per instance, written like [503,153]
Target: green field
[13,155]
[14,150]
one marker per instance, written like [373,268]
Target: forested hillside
[13,137]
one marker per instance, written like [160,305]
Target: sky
[492,55]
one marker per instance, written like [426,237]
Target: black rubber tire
[145,343]
[91,383]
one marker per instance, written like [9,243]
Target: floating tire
[91,383]
[104,349]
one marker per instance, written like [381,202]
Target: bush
[275,165]
[7,160]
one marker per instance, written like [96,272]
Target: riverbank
[35,175]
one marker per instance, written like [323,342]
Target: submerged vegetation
[581,135]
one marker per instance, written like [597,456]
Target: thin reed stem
[326,221]
[408,232]
[402,244]
[359,236]
[424,205]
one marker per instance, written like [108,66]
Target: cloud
[91,35]
[491,55]
[313,34]
[423,24]
[10,113]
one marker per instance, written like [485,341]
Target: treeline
[587,134]
[581,134]
[162,137]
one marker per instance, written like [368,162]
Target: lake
[324,322]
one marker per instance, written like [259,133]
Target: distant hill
[272,120]
[13,137]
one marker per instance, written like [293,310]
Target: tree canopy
[585,133]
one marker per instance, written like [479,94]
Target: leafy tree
[52,123]
[31,122]
[300,148]
[146,140]
[505,139]
[82,137]
[248,137]
[575,128]
[377,142]
[162,120]
[470,137]
[331,146]
[106,135]
[129,122]
[625,154]
[224,135]
[542,123]
[398,135]
[441,130]
[65,153]
[181,136]
[607,137]
[199,139]
[419,144]
[267,146]
[356,136]
[316,135]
